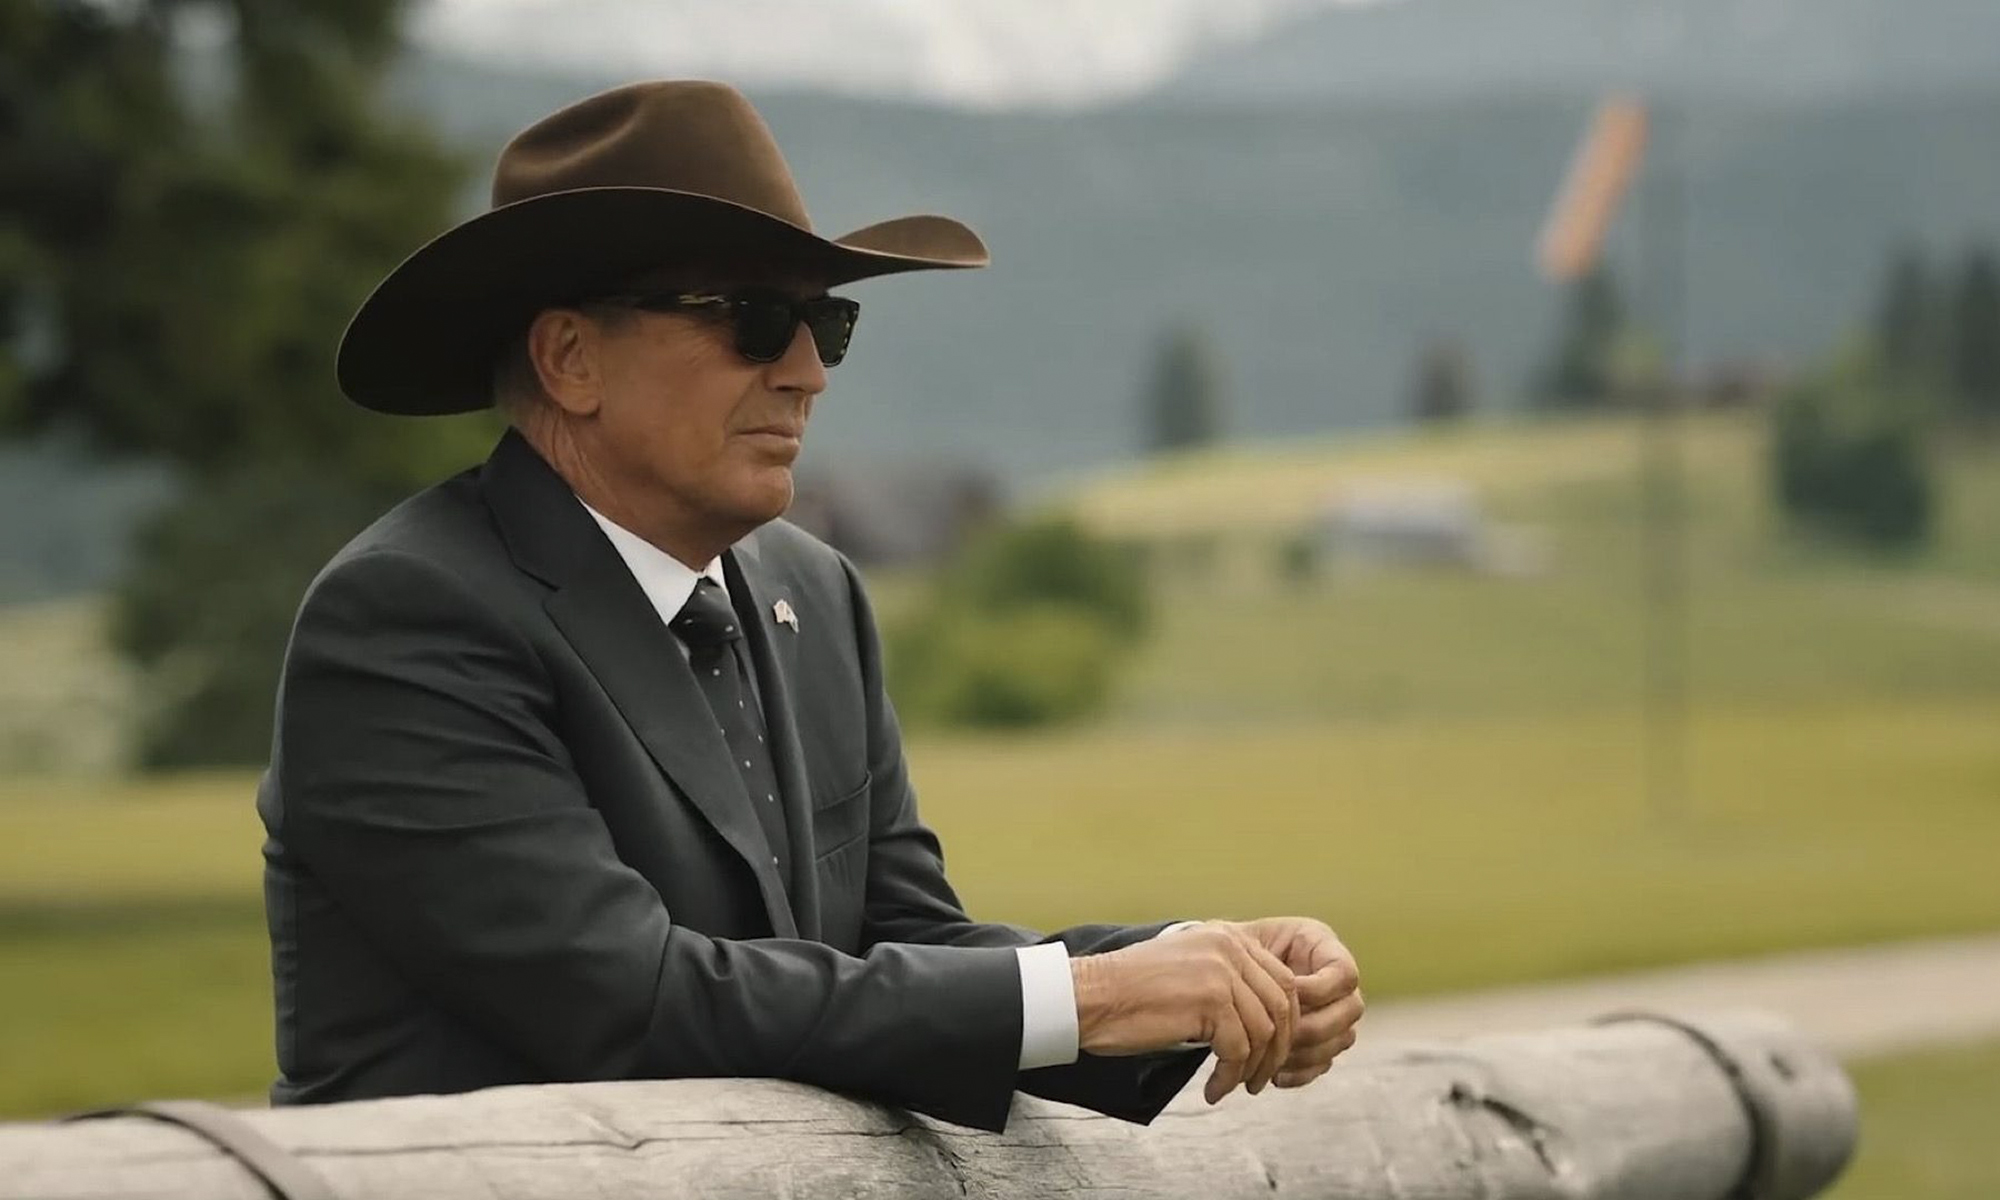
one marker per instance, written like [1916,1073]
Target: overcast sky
[984,53]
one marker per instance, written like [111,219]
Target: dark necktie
[711,631]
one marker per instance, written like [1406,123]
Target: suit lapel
[774,654]
[607,619]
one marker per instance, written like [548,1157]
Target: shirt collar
[667,581]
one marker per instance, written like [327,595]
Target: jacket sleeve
[910,902]
[422,784]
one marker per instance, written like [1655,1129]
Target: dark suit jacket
[507,844]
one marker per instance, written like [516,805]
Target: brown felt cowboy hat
[645,176]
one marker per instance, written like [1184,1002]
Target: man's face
[685,420]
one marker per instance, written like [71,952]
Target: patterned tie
[711,631]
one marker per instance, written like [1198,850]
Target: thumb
[1326,985]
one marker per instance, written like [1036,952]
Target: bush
[1027,627]
[1052,561]
[1040,665]
[1849,458]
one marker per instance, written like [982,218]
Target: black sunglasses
[764,322]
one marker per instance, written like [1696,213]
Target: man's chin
[766,497]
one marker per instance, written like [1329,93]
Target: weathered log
[1734,1107]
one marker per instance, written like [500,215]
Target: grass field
[1927,1128]
[1448,767]
[1451,855]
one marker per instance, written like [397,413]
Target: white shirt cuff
[1048,1006]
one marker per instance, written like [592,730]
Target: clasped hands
[1275,999]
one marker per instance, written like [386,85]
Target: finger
[1279,992]
[1319,1024]
[1302,1076]
[1327,948]
[1321,1033]
[1343,1014]
[1271,981]
[1231,1046]
[1257,1023]
[1329,982]
[1299,1073]
[1317,1033]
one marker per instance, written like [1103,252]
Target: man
[583,765]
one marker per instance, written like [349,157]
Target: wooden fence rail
[1729,1107]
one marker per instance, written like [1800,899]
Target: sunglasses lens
[831,320]
[764,328]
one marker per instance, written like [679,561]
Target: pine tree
[187,263]
[1909,320]
[1183,401]
[1975,338]
[1443,389]
[1583,371]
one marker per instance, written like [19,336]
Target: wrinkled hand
[1329,991]
[1212,983]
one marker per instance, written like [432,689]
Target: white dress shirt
[1048,991]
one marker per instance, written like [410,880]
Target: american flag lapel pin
[782,610]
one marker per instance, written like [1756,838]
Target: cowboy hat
[640,177]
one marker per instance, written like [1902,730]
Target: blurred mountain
[976,53]
[1319,241]
[1794,50]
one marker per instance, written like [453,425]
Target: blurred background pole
[1608,160]
[1663,496]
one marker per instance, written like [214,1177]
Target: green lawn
[1770,621]
[1451,854]
[1927,1128]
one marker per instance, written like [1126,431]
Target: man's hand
[1329,991]
[1212,983]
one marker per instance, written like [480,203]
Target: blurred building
[894,515]
[1421,523]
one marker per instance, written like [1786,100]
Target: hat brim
[425,341]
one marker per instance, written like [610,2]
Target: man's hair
[516,388]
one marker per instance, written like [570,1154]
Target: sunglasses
[764,322]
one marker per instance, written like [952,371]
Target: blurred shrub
[1027,626]
[1043,664]
[1051,561]
[1850,459]
[1299,557]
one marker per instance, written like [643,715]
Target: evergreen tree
[1443,389]
[175,271]
[1850,458]
[1583,372]
[1975,349]
[1183,401]
[1909,320]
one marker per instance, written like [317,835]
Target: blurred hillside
[1324,202]
[1318,242]
[1796,50]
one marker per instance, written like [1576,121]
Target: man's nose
[799,368]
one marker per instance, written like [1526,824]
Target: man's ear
[566,348]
